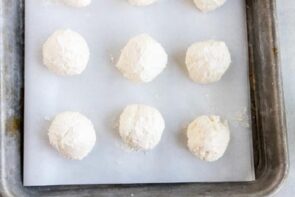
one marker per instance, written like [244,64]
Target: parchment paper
[101,93]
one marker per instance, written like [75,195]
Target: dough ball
[72,135]
[77,3]
[207,61]
[208,137]
[141,2]
[66,53]
[141,127]
[142,59]
[208,5]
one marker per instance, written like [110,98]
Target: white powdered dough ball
[208,137]
[141,127]
[77,3]
[207,61]
[66,53]
[208,5]
[142,59]
[72,135]
[141,2]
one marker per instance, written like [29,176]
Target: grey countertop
[286,21]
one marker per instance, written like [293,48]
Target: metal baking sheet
[268,120]
[101,93]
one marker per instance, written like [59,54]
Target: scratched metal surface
[268,116]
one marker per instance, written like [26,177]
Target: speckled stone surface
[286,16]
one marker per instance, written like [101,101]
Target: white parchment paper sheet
[101,93]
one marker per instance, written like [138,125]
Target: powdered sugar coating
[208,5]
[72,135]
[208,137]
[141,127]
[66,53]
[141,2]
[207,61]
[142,59]
[77,3]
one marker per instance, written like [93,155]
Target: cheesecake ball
[72,135]
[208,137]
[141,127]
[207,61]
[77,3]
[208,5]
[142,59]
[66,53]
[141,2]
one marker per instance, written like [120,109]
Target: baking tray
[267,108]
[228,98]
